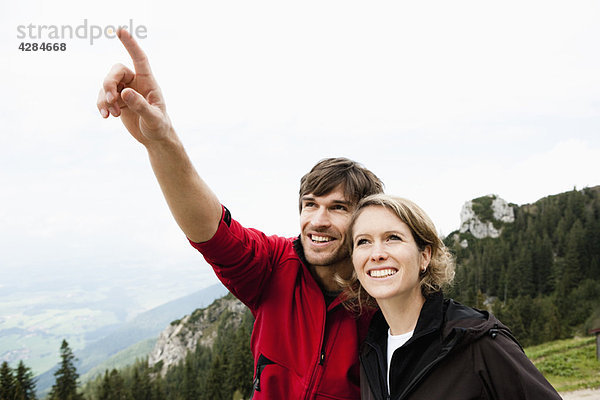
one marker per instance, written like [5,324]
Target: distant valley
[97,324]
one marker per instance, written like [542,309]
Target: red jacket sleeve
[242,258]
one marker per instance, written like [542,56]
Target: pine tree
[572,261]
[141,388]
[113,387]
[189,389]
[65,387]
[524,270]
[158,389]
[241,366]
[117,386]
[214,382]
[104,389]
[7,382]
[24,383]
[545,260]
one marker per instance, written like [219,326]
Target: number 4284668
[25,46]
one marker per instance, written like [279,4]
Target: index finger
[140,60]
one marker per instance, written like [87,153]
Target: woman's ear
[426,258]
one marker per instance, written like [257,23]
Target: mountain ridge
[146,325]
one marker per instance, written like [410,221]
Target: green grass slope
[569,364]
[129,356]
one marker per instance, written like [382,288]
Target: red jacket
[302,349]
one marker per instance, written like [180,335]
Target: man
[305,343]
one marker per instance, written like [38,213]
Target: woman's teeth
[382,273]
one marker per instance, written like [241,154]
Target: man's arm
[137,99]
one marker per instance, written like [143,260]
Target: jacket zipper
[322,357]
[417,378]
[315,370]
[445,351]
[383,381]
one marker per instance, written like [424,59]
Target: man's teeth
[382,273]
[316,238]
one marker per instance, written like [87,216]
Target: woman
[433,348]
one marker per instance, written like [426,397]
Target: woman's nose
[378,252]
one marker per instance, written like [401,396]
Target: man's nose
[321,217]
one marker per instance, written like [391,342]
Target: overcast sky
[445,101]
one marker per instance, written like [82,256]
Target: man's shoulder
[286,248]
[280,247]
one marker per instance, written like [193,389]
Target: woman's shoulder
[455,311]
[473,324]
[468,321]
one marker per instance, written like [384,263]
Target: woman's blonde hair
[439,273]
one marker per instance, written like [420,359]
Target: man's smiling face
[324,221]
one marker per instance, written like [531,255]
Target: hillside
[536,266]
[145,326]
[197,329]
[568,364]
[204,355]
[123,358]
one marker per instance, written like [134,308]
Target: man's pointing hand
[135,96]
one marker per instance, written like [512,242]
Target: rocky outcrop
[200,327]
[484,217]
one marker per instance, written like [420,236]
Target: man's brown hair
[327,174]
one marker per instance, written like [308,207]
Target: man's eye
[340,207]
[308,205]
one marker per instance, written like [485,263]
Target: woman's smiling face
[385,255]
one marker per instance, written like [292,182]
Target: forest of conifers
[541,277]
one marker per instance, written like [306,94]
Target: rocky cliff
[200,327]
[484,217]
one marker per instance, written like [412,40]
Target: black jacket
[456,352]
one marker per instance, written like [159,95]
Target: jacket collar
[373,353]
[332,300]
[300,251]
[430,319]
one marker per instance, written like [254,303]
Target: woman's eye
[361,242]
[394,237]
